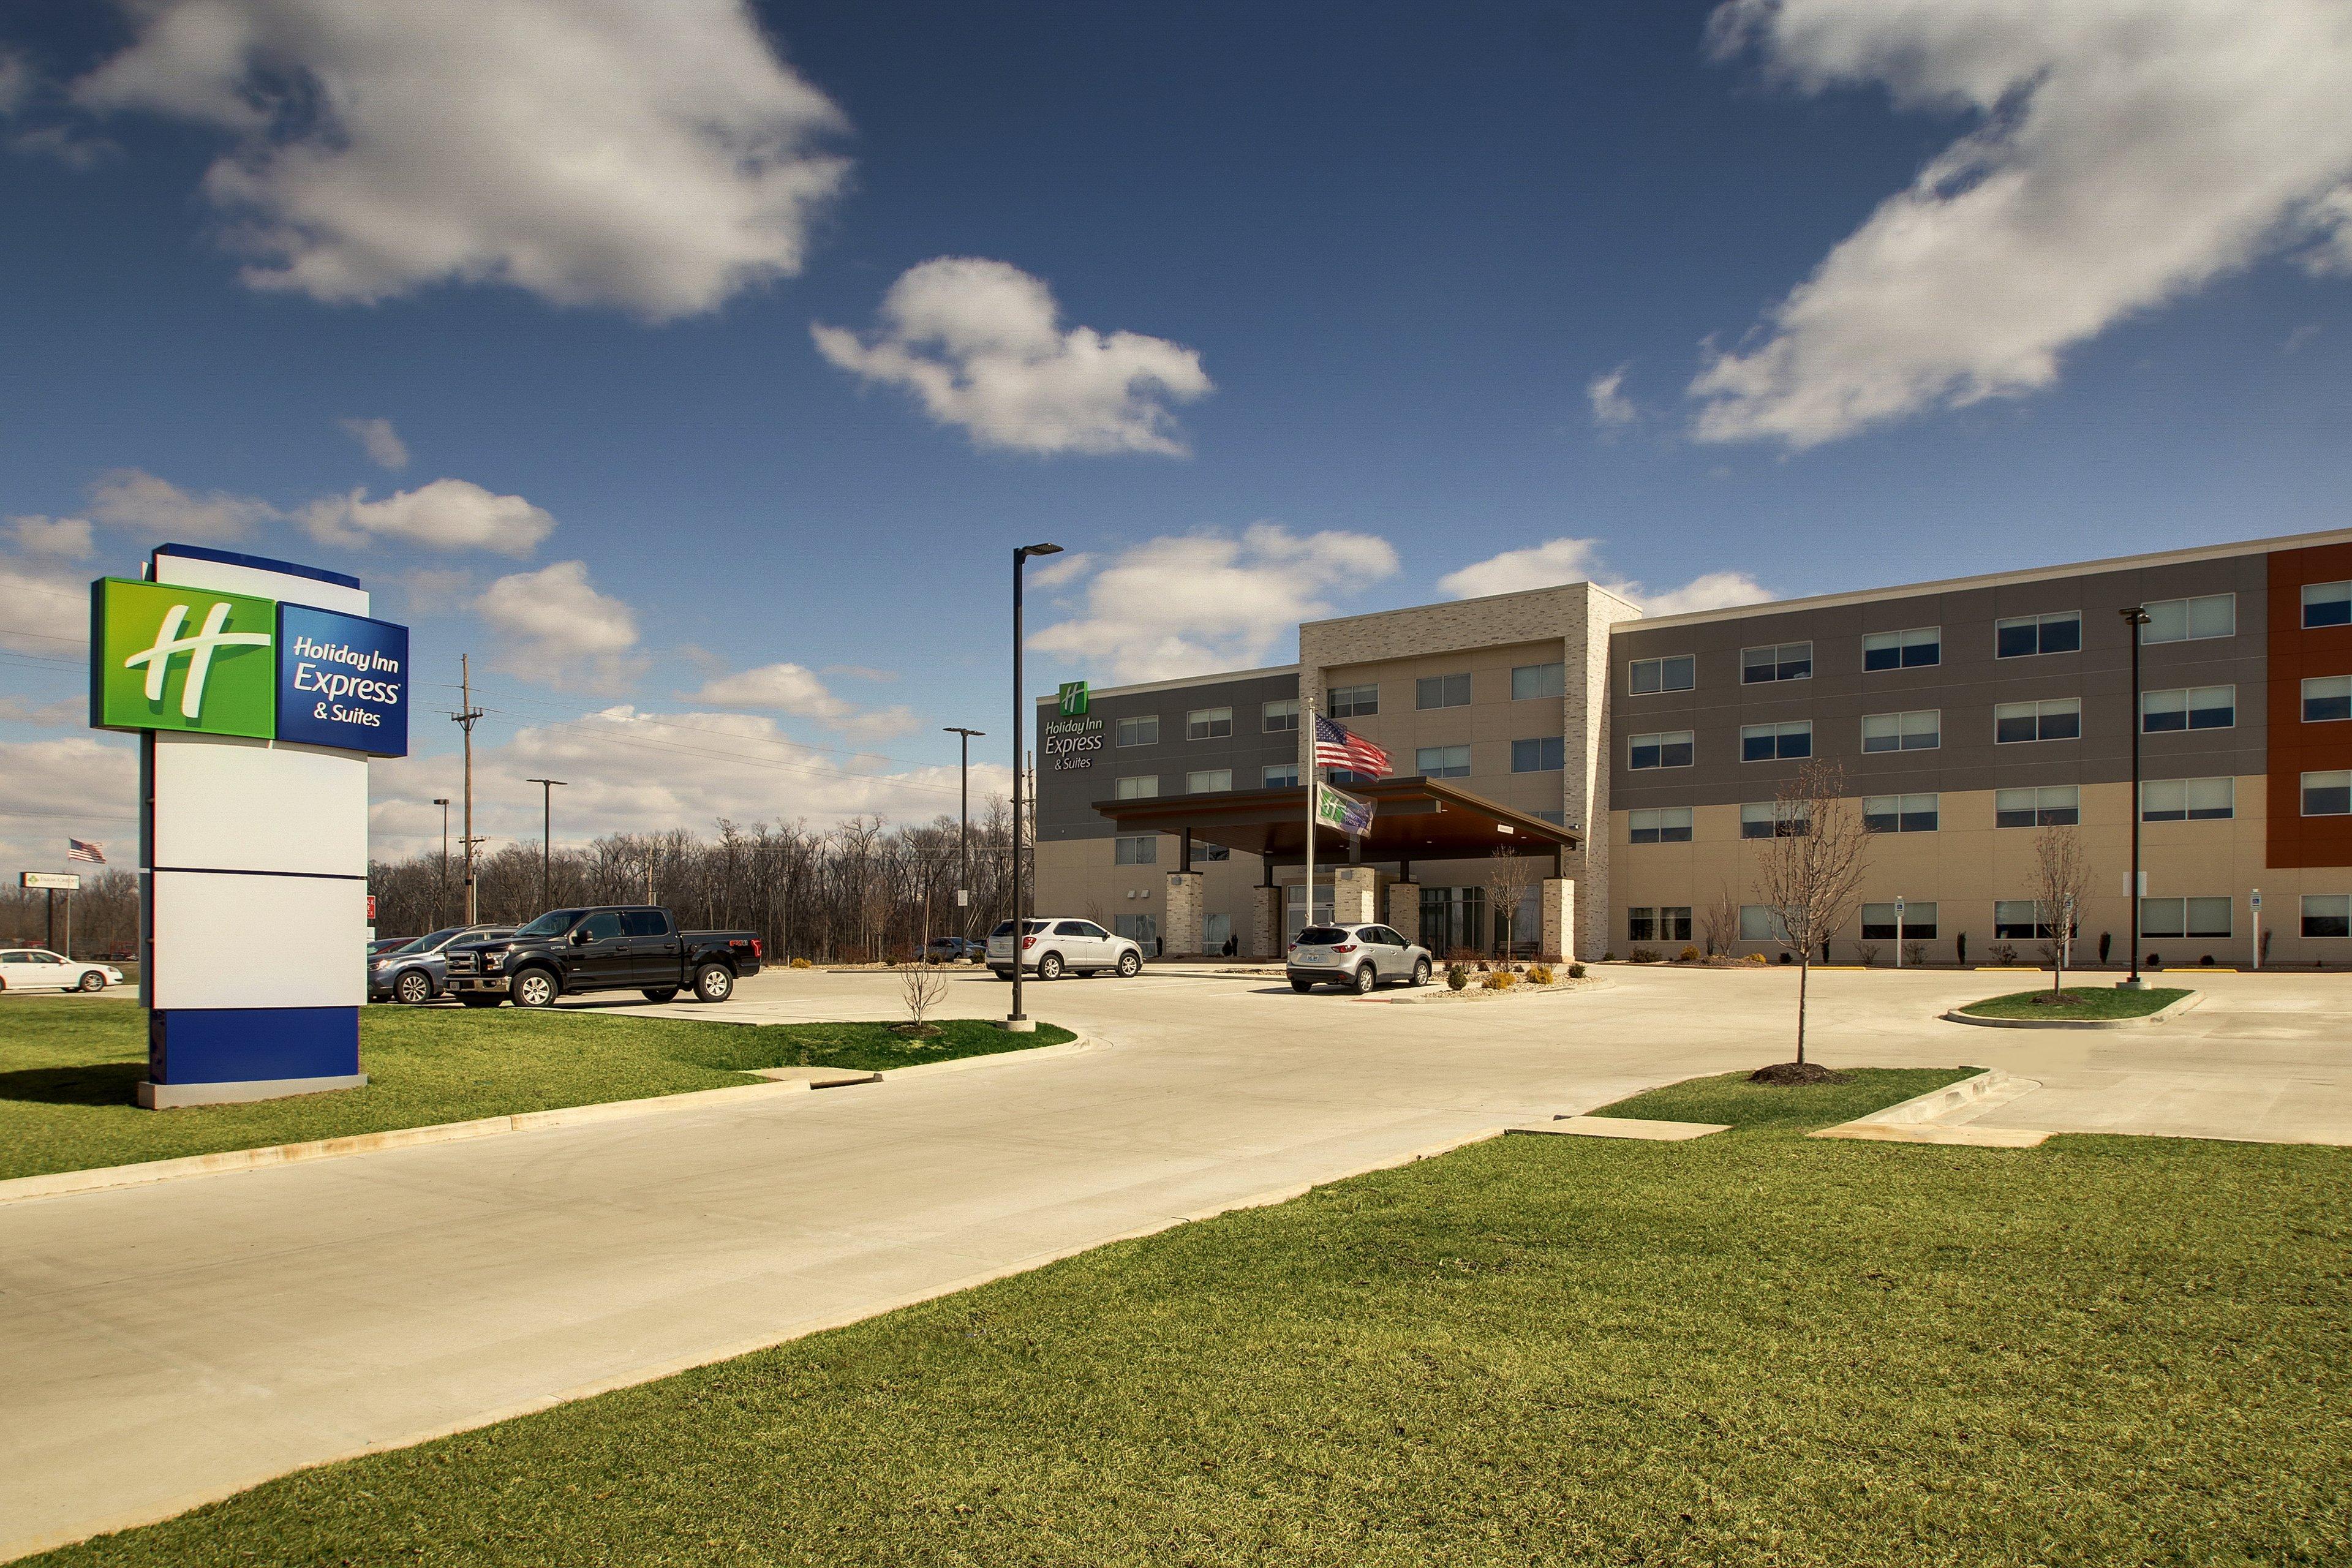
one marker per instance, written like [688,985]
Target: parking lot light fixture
[1018,1020]
[2135,617]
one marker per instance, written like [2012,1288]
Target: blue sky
[1442,284]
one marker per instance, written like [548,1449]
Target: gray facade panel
[1965,687]
[1067,795]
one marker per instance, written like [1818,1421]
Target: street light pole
[2135,617]
[1019,1022]
[963,831]
[547,788]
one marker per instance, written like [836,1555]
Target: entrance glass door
[1294,900]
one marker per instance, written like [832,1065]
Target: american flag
[86,849]
[1337,747]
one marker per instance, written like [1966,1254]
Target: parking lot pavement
[170,1344]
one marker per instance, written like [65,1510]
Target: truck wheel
[414,988]
[479,999]
[1050,966]
[660,992]
[93,981]
[713,983]
[1129,963]
[534,988]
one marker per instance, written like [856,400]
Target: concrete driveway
[165,1345]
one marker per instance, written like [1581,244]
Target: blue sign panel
[342,681]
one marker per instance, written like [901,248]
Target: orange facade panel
[2296,653]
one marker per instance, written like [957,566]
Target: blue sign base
[248,1046]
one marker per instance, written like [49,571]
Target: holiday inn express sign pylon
[259,689]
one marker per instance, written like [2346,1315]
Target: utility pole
[441,897]
[963,835]
[547,788]
[466,716]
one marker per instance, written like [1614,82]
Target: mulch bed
[1788,1073]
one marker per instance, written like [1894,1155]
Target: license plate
[1314,958]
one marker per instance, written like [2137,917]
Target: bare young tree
[1810,871]
[1719,926]
[1508,878]
[922,986]
[2062,884]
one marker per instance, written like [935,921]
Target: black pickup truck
[605,947]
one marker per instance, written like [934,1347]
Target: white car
[1053,948]
[1359,957]
[38,969]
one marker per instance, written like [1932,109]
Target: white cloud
[980,343]
[859,672]
[1057,571]
[1612,409]
[67,538]
[77,784]
[647,771]
[1183,604]
[42,610]
[558,628]
[1559,560]
[382,443]
[655,157]
[15,81]
[127,497]
[447,515]
[793,689]
[65,713]
[2125,153]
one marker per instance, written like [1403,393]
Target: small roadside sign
[55,881]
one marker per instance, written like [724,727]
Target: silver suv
[418,970]
[1052,947]
[1357,956]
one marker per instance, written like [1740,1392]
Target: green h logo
[1073,698]
[186,658]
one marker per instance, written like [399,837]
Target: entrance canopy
[1413,819]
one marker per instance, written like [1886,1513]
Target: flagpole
[1314,787]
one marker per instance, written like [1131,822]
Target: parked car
[417,971]
[1357,956]
[955,949]
[605,947]
[38,969]
[1055,947]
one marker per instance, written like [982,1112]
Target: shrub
[1498,980]
[1576,971]
[1754,958]
[1688,955]
[1645,955]
[803,964]
[1608,958]
[1456,977]
[1960,946]
[2106,942]
[2002,953]
[1539,975]
[1914,953]
[1869,952]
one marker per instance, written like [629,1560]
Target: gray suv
[418,972]
[1356,956]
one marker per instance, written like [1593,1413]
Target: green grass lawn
[1750,1349]
[2088,1001]
[67,1067]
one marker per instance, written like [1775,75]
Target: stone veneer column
[1404,909]
[1180,937]
[1266,923]
[1559,901]
[1355,895]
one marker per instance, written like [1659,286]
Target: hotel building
[1638,758]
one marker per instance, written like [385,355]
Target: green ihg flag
[183,658]
[1073,698]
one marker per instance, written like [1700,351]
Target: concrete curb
[227,1161]
[1918,1119]
[2162,1015]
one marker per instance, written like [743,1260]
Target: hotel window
[1670,749]
[1668,922]
[1782,661]
[2327,604]
[1918,922]
[1208,781]
[2188,708]
[2051,806]
[1354,701]
[2327,914]
[2021,636]
[1556,818]
[2187,800]
[1349,775]
[1442,762]
[2327,794]
[2326,698]
[1770,819]
[2185,917]
[1761,922]
[2058,718]
[1902,650]
[1215,852]
[1662,825]
[1529,680]
[1545,754]
[1776,742]
[1676,673]
[1901,812]
[1919,731]
[1144,928]
[2019,920]
[1145,787]
[1143,729]
[1442,690]
[1208,723]
[1281,718]
[1135,849]
[1281,775]
[2191,620]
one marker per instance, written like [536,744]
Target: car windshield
[430,943]
[1321,936]
[551,923]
